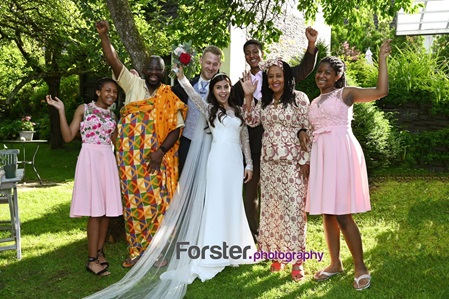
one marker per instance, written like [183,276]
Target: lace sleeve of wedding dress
[194,96]
[181,224]
[244,139]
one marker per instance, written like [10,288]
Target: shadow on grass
[414,257]
[59,274]
[37,185]
[405,235]
[257,281]
[408,259]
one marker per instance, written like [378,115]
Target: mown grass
[404,236]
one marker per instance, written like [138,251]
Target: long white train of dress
[188,220]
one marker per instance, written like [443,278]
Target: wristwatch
[163,149]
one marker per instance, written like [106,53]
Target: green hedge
[416,76]
[377,135]
[426,148]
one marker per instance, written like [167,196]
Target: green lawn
[404,236]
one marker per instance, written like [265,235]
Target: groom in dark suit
[210,64]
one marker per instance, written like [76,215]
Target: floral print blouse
[98,125]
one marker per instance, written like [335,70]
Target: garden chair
[10,228]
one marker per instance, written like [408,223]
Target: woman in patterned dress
[96,191]
[284,163]
[338,185]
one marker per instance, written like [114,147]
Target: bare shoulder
[80,108]
[79,112]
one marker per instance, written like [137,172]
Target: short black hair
[253,42]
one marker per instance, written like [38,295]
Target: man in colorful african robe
[148,140]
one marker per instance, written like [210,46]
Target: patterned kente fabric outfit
[143,126]
[283,190]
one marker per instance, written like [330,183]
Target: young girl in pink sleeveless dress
[96,191]
[338,181]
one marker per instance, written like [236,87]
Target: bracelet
[163,149]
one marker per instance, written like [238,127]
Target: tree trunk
[129,35]
[56,140]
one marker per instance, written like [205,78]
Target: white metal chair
[8,195]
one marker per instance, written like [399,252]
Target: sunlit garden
[51,47]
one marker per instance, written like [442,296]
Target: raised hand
[57,103]
[180,72]
[249,87]
[102,27]
[311,35]
[385,49]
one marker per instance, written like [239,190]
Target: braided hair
[100,83]
[217,109]
[288,96]
[339,66]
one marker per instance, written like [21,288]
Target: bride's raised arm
[191,92]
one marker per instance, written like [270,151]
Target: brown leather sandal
[129,262]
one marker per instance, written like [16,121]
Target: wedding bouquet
[184,55]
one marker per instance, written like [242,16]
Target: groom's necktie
[203,87]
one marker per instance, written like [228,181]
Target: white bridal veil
[181,224]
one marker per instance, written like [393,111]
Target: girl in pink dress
[338,181]
[96,191]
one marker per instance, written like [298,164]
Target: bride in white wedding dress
[205,229]
[224,223]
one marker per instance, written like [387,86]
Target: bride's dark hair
[217,109]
